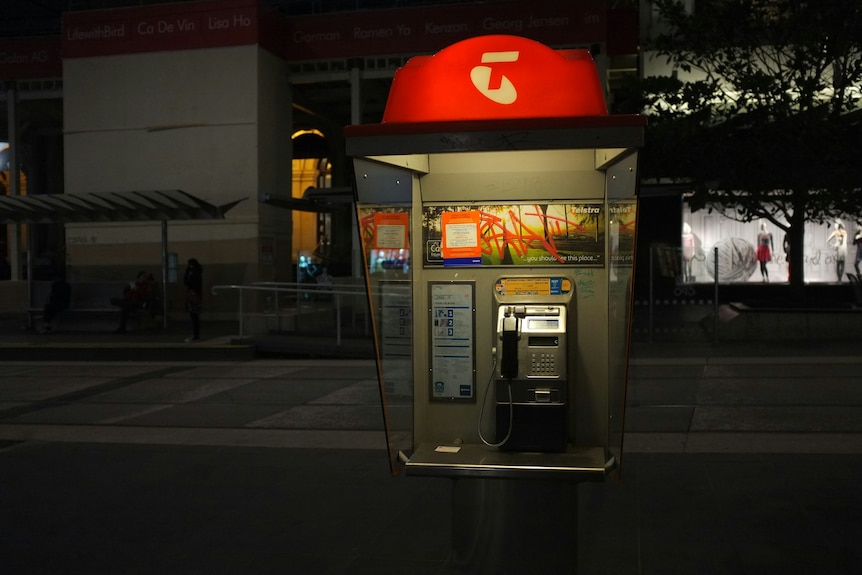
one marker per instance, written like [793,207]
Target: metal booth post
[497,208]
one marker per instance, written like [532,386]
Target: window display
[838,242]
[746,250]
[689,250]
[857,244]
[765,249]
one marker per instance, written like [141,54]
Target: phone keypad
[543,363]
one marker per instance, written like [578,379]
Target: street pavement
[739,459]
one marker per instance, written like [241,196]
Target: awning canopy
[320,200]
[133,206]
[146,206]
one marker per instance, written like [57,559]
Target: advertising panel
[186,26]
[570,233]
[195,25]
[430,28]
[22,58]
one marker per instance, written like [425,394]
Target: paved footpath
[774,398]
[735,463]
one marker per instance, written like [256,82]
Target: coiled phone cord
[485,401]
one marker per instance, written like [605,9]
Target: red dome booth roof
[498,82]
[495,77]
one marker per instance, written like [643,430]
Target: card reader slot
[543,311]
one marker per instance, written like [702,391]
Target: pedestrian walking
[193,280]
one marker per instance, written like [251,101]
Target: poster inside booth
[515,234]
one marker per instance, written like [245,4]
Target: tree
[762,110]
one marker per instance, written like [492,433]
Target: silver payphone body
[531,374]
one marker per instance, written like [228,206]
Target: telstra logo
[502,91]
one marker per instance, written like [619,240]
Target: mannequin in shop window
[765,247]
[688,249]
[838,241]
[857,241]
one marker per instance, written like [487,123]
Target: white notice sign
[452,341]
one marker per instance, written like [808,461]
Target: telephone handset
[509,353]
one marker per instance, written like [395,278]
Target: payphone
[530,200]
[531,384]
[532,363]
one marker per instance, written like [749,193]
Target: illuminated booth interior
[497,210]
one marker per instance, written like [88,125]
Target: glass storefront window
[829,253]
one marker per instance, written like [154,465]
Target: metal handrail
[279,287]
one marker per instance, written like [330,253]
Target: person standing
[58,300]
[193,280]
[141,294]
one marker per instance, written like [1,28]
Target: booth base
[512,512]
[514,526]
[574,465]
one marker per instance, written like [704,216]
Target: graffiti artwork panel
[525,234]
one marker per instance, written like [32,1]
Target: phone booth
[497,209]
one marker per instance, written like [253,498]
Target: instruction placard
[452,340]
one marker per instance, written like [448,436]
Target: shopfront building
[205,97]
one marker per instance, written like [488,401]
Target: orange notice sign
[460,235]
[390,230]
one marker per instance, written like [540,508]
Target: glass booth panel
[622,237]
[385,234]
